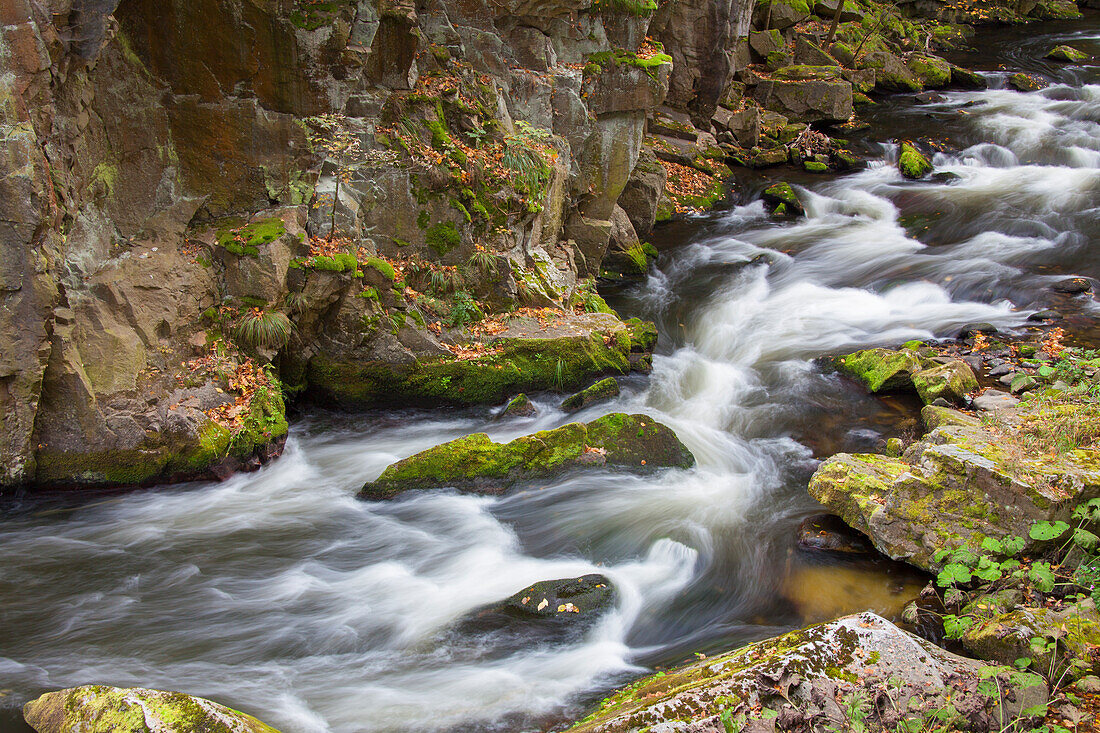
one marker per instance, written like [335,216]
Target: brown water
[280,594]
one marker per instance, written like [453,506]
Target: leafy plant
[464,310]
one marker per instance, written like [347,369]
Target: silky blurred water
[281,594]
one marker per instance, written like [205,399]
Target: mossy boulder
[1006,637]
[519,406]
[602,390]
[93,708]
[782,195]
[956,486]
[475,463]
[565,599]
[951,381]
[891,73]
[881,370]
[1022,82]
[933,72]
[912,163]
[566,355]
[801,676]
[1069,54]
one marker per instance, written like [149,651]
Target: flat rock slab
[475,463]
[94,708]
[803,680]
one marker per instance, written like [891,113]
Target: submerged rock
[956,486]
[1072,285]
[475,463]
[602,390]
[94,708]
[802,675]
[829,533]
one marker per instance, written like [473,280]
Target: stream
[280,594]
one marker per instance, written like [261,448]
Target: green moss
[912,163]
[443,237]
[602,390]
[369,294]
[245,240]
[639,8]
[933,72]
[340,262]
[621,57]
[385,269]
[814,166]
[880,369]
[476,462]
[106,174]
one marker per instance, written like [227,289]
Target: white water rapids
[281,594]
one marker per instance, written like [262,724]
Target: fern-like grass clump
[263,329]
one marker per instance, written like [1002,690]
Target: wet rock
[912,163]
[881,370]
[476,464]
[1027,82]
[1045,315]
[134,710]
[801,676]
[945,177]
[891,73]
[566,599]
[829,533]
[951,489]
[782,199]
[932,71]
[967,79]
[928,98]
[601,391]
[1069,54]
[971,329]
[1072,285]
[519,406]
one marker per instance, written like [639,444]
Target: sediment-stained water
[281,594]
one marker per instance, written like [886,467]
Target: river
[280,594]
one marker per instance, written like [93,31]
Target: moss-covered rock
[932,71]
[519,406]
[951,381]
[953,488]
[802,675]
[1022,82]
[1069,54]
[589,345]
[602,390]
[881,370]
[781,194]
[476,463]
[565,599]
[94,708]
[1006,636]
[912,163]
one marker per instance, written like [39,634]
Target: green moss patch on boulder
[602,390]
[912,163]
[519,406]
[1069,54]
[951,381]
[134,710]
[803,674]
[475,463]
[246,240]
[881,370]
[1022,82]
[782,195]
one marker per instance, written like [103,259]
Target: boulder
[782,199]
[1006,637]
[808,53]
[565,599]
[849,12]
[1068,54]
[967,79]
[601,391]
[641,197]
[1022,82]
[744,124]
[1072,285]
[134,710]
[817,674]
[951,381]
[992,400]
[891,73]
[519,406]
[475,463]
[880,370]
[829,72]
[781,14]
[956,486]
[932,71]
[627,258]
[807,101]
[912,163]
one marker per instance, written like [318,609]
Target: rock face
[952,488]
[476,463]
[806,679]
[134,710]
[310,194]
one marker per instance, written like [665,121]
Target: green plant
[484,262]
[856,709]
[464,310]
[263,329]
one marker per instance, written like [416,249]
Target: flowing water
[281,594]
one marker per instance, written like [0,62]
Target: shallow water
[280,594]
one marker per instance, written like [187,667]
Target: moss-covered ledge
[476,463]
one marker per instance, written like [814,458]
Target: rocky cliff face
[206,202]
